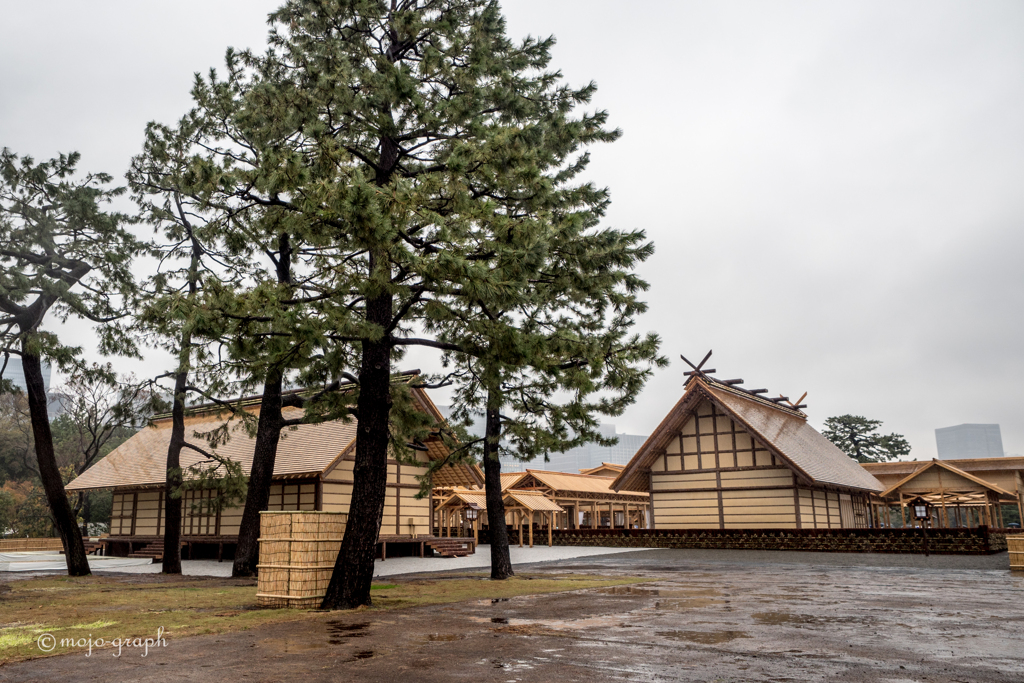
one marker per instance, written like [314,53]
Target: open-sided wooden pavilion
[588,502]
[961,493]
[461,512]
[313,471]
[729,458]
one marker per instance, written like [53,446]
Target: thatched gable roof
[782,429]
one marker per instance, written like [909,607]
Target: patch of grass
[111,607]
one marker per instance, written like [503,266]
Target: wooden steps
[450,547]
[153,550]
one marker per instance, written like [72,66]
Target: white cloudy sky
[836,190]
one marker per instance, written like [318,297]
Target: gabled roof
[466,496]
[610,467]
[782,429]
[946,466]
[304,451]
[534,501]
[510,479]
[575,483]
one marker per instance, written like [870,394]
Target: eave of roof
[946,466]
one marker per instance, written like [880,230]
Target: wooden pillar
[476,529]
[551,516]
[611,515]
[625,515]
[593,515]
[519,516]
[531,528]
[1020,496]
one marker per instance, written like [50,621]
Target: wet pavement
[705,618]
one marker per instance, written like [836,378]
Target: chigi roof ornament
[699,371]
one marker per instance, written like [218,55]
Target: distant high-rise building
[580,458]
[969,441]
[14,372]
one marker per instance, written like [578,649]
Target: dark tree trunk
[257,498]
[172,504]
[353,570]
[60,506]
[501,560]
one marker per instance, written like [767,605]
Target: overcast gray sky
[835,190]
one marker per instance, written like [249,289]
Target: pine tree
[561,357]
[396,136]
[61,253]
[858,437]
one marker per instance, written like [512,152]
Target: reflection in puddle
[499,620]
[659,592]
[337,631]
[704,637]
[444,637]
[686,604]
[364,654]
[779,618]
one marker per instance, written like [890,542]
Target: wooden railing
[22,545]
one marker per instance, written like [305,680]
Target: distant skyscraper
[969,441]
[14,373]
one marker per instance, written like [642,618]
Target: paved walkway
[481,559]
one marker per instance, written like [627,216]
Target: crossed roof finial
[699,371]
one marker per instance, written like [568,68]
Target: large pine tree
[397,135]
[61,254]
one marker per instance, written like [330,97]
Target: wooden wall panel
[683,481]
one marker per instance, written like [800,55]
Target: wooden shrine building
[313,470]
[729,458]
[588,501]
[961,493]
[605,469]
[463,512]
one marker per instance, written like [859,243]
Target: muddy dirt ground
[708,617]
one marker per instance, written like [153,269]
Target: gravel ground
[409,565]
[708,616]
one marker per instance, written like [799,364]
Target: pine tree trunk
[353,570]
[501,559]
[60,506]
[257,498]
[172,504]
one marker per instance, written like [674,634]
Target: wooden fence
[1015,544]
[24,545]
[977,541]
[297,555]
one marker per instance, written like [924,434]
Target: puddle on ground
[779,618]
[495,601]
[685,605]
[444,637]
[499,620]
[658,592]
[704,637]
[363,654]
[338,631]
